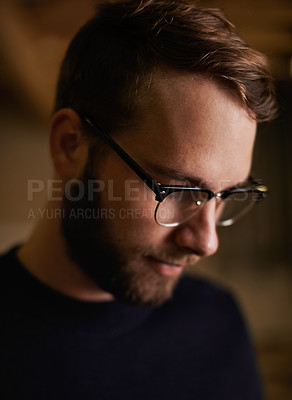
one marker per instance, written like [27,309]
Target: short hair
[111,61]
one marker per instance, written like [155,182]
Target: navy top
[195,346]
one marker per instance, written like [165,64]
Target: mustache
[174,257]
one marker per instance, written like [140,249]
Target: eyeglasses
[176,204]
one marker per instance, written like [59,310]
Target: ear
[67,143]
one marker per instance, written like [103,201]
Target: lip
[164,268]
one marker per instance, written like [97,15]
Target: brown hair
[111,60]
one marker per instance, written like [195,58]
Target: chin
[145,288]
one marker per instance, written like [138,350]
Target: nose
[198,235]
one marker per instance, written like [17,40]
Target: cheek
[125,192]
[131,198]
[131,205]
[129,201]
[134,227]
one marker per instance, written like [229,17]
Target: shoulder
[13,275]
[8,262]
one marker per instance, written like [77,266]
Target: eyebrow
[175,174]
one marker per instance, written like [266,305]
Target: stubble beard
[91,246]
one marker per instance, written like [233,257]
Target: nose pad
[198,234]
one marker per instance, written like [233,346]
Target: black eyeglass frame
[162,191]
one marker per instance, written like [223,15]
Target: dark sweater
[53,347]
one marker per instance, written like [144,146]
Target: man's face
[190,130]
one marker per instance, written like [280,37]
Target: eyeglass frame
[162,191]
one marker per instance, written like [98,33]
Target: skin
[189,124]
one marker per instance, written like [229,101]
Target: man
[151,139]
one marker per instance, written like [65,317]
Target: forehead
[191,124]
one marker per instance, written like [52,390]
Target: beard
[103,257]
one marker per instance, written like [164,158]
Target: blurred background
[255,257]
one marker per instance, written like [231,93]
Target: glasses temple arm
[150,182]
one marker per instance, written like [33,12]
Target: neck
[45,256]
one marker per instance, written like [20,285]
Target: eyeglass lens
[180,206]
